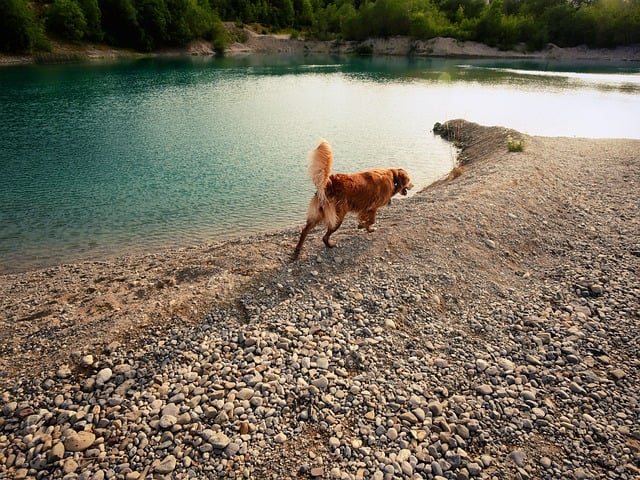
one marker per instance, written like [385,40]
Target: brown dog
[338,194]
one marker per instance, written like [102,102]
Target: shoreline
[494,313]
[257,44]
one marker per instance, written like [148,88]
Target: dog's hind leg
[303,235]
[331,243]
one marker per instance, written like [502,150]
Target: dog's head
[401,181]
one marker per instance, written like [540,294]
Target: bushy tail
[320,162]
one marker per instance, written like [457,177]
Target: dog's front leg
[367,219]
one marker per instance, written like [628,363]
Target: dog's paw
[371,229]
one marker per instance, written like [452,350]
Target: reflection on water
[109,157]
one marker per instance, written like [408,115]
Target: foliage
[19,29]
[66,20]
[515,145]
[153,24]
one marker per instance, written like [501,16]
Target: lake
[107,158]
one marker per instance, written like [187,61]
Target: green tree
[153,17]
[120,23]
[92,15]
[65,19]
[18,27]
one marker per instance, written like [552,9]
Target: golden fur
[338,194]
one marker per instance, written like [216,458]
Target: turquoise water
[109,158]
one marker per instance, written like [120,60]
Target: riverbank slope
[488,327]
[254,43]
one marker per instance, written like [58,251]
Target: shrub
[66,19]
[515,145]
[19,30]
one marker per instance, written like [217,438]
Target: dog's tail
[320,162]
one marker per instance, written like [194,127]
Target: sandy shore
[49,313]
[527,261]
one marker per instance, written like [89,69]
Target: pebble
[391,371]
[167,465]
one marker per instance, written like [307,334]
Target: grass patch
[515,145]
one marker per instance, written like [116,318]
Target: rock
[280,438]
[484,389]
[245,394]
[103,376]
[167,421]
[64,371]
[167,465]
[70,466]
[218,440]
[518,457]
[617,374]
[56,453]
[78,441]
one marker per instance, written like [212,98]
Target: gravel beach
[488,329]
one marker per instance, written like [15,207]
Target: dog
[337,194]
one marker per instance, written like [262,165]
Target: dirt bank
[254,43]
[538,209]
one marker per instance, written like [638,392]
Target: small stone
[21,474]
[245,394]
[485,389]
[321,382]
[474,469]
[103,376]
[244,427]
[280,438]
[617,374]
[435,408]
[323,363]
[316,472]
[218,440]
[481,365]
[545,462]
[87,361]
[70,466]
[78,441]
[167,421]
[64,371]
[167,465]
[518,457]
[56,453]
[232,449]
[580,474]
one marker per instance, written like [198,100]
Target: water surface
[106,158]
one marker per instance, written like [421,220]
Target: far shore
[256,44]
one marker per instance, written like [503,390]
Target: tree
[120,23]
[65,19]
[18,27]
[153,18]
[92,15]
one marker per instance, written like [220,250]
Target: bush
[19,30]
[515,145]
[65,19]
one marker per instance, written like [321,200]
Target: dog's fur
[338,194]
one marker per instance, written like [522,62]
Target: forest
[148,25]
